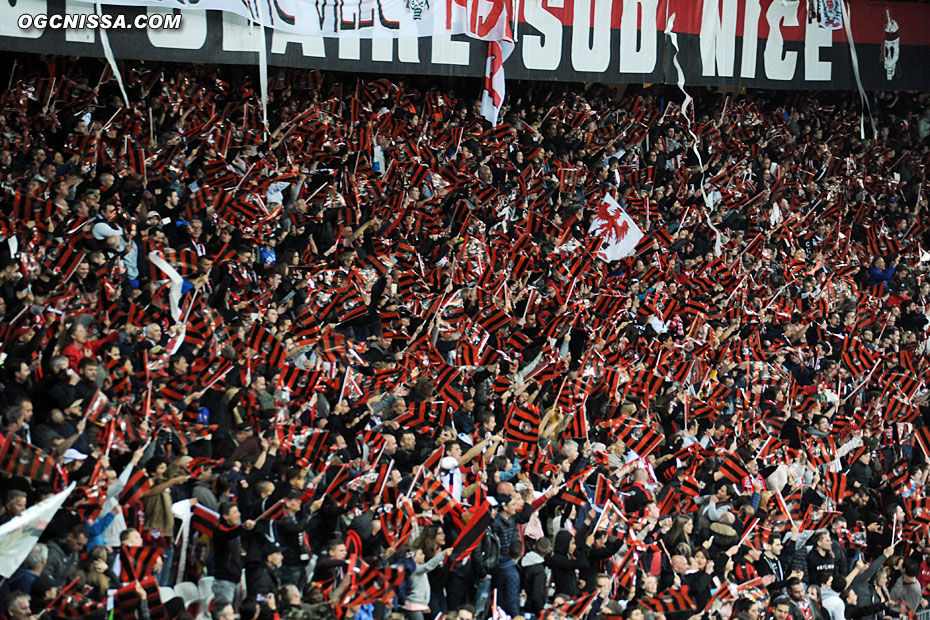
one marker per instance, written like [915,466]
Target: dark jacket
[261,579]
[861,473]
[288,530]
[564,567]
[61,563]
[596,557]
[227,552]
[329,570]
[780,567]
[507,529]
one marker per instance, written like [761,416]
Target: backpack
[409,567]
[487,554]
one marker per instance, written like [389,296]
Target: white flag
[618,232]
[19,535]
[492,97]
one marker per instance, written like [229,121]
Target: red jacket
[75,351]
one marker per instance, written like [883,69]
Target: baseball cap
[73,455]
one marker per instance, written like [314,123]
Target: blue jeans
[507,582]
[164,577]
[482,597]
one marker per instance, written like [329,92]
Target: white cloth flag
[618,232]
[19,535]
[492,97]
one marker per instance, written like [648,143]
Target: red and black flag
[137,562]
[575,608]
[690,486]
[522,425]
[263,342]
[89,501]
[98,403]
[640,438]
[135,160]
[339,477]
[419,417]
[204,520]
[670,502]
[821,451]
[478,523]
[573,493]
[823,523]
[70,603]
[646,382]
[201,464]
[137,486]
[126,600]
[311,450]
[432,492]
[19,458]
[578,427]
[275,511]
[371,585]
[493,319]
[398,525]
[733,469]
[857,358]
[670,601]
[65,262]
[299,382]
[214,371]
[605,493]
[835,486]
[922,437]
[898,475]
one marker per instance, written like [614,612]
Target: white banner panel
[489,20]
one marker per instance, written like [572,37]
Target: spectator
[14,506]
[228,552]
[17,606]
[907,588]
[65,553]
[32,567]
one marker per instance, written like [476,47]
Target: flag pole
[785,506]
[516,18]
[9,85]
[413,483]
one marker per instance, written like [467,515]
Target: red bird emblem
[613,227]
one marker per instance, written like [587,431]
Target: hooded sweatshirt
[419,592]
[534,576]
[564,567]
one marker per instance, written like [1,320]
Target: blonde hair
[99,581]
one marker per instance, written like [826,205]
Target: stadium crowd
[367,363]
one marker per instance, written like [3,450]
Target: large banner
[488,20]
[20,534]
[740,43]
